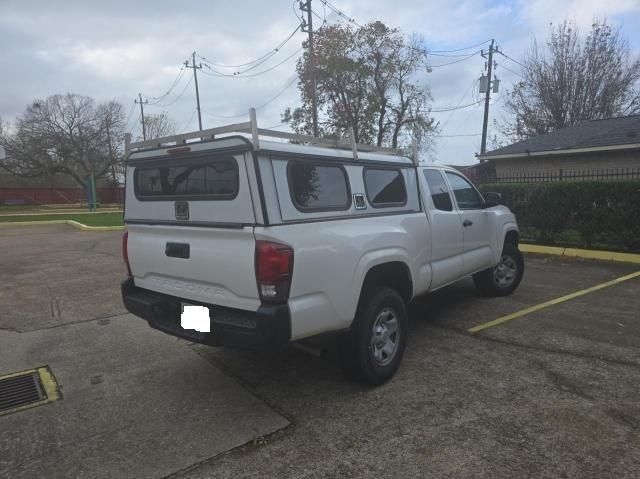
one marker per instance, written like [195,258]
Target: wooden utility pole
[144,131]
[483,146]
[195,77]
[308,28]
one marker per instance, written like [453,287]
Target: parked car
[284,241]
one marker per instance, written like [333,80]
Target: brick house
[612,143]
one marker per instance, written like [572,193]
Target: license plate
[195,317]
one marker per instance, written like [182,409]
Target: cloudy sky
[116,49]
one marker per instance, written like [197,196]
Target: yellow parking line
[562,299]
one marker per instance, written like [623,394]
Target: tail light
[125,251]
[274,268]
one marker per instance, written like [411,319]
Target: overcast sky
[115,49]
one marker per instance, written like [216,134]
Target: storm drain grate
[27,389]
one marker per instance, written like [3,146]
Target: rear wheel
[504,278]
[372,351]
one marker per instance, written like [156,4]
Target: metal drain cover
[27,389]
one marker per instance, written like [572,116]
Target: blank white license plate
[195,317]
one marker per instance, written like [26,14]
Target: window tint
[318,187]
[217,179]
[439,190]
[466,195]
[385,187]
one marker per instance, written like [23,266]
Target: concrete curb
[581,253]
[65,222]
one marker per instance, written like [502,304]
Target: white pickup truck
[284,241]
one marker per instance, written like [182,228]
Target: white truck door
[446,228]
[478,237]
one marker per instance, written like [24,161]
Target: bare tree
[159,125]
[66,134]
[573,80]
[366,80]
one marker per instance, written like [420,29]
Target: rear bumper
[267,328]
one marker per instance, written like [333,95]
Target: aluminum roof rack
[251,128]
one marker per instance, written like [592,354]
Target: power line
[260,59]
[460,107]
[473,83]
[454,61]
[460,49]
[176,98]
[217,73]
[277,95]
[190,120]
[157,99]
[130,115]
[509,70]
[507,56]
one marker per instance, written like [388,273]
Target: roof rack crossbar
[251,128]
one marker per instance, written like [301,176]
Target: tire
[504,278]
[372,350]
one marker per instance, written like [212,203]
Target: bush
[593,214]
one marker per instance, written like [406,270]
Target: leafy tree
[159,125]
[366,79]
[571,80]
[66,134]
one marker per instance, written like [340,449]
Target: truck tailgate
[219,268]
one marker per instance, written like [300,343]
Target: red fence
[49,196]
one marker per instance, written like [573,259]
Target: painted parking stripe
[562,299]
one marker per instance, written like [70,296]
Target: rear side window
[385,187]
[439,190]
[318,187]
[217,180]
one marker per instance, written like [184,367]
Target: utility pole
[306,7]
[144,131]
[483,146]
[195,77]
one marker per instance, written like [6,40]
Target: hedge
[589,214]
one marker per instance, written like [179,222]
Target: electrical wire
[176,98]
[157,99]
[473,83]
[261,58]
[189,120]
[459,107]
[277,95]
[129,115]
[455,61]
[507,56]
[217,73]
[460,49]
[509,70]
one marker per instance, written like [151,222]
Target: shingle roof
[595,133]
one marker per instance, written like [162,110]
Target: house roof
[610,133]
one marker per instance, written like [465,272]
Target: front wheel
[504,278]
[372,351]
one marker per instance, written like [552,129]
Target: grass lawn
[18,209]
[95,219]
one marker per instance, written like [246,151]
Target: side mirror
[492,199]
[3,155]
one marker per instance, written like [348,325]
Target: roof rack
[251,128]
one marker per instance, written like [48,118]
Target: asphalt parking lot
[553,393]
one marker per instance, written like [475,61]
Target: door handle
[467,222]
